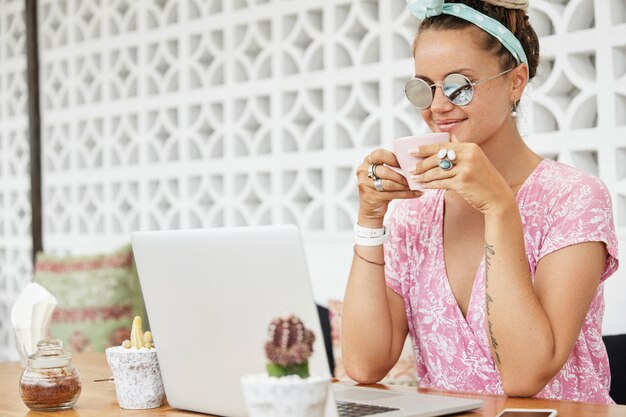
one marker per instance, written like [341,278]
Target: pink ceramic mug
[402,146]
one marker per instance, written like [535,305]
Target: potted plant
[136,371]
[287,389]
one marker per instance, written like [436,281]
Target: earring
[514,110]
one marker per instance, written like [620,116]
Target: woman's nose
[440,102]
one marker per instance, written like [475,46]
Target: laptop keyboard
[347,409]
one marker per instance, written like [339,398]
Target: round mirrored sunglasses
[457,88]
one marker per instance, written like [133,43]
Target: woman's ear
[519,76]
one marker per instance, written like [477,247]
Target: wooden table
[98,398]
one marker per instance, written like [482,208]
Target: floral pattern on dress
[559,206]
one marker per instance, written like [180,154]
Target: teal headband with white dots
[424,9]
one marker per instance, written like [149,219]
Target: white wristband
[371,241]
[367,232]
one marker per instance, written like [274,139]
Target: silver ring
[378,184]
[446,153]
[371,171]
[445,164]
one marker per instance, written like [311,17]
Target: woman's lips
[448,125]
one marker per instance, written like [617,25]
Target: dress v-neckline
[448,286]
[478,274]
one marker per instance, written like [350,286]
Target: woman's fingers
[426,164]
[432,161]
[392,185]
[387,185]
[382,171]
[424,151]
[433,174]
[387,196]
[382,156]
[439,184]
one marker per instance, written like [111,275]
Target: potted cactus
[287,389]
[136,370]
[289,347]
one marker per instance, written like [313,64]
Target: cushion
[97,296]
[404,371]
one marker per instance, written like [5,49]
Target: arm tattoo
[489,252]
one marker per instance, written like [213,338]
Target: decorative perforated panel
[176,114]
[15,215]
[200,113]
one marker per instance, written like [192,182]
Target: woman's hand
[472,176]
[373,203]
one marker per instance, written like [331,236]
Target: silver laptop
[210,295]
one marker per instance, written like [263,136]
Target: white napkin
[31,315]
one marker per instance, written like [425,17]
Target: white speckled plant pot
[137,375]
[289,396]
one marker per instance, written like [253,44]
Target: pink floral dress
[559,206]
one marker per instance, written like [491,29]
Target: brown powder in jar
[51,391]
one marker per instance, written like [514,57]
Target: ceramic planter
[137,375]
[289,396]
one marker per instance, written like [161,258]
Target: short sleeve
[582,212]
[396,258]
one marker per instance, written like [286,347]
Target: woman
[496,270]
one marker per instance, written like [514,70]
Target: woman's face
[442,52]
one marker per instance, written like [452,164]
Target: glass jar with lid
[50,382]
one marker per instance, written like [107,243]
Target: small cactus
[147,340]
[136,333]
[138,339]
[289,347]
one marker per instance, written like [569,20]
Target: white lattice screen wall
[199,113]
[15,215]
